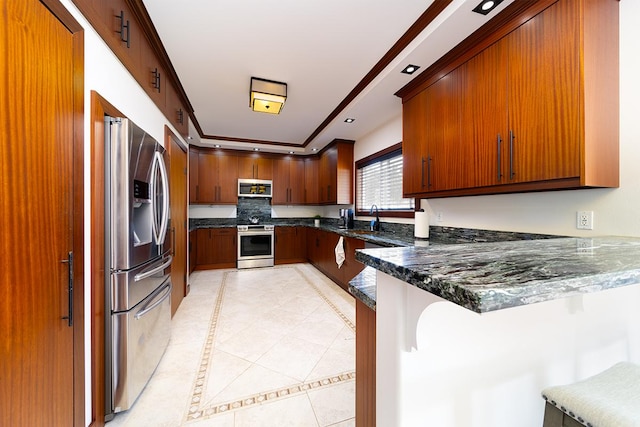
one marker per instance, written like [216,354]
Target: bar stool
[610,398]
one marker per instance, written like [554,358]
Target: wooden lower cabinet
[365,365]
[216,248]
[193,250]
[321,246]
[290,245]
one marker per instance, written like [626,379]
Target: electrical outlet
[584,220]
[584,246]
[439,216]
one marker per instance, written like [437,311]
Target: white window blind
[380,184]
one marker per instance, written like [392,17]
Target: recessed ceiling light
[314,149]
[189,137]
[486,6]
[256,149]
[349,120]
[217,146]
[410,69]
[290,152]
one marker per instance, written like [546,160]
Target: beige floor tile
[291,412]
[250,343]
[345,342]
[348,423]
[332,362]
[319,331]
[333,404]
[224,368]
[293,357]
[221,420]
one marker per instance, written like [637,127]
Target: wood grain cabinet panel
[335,174]
[255,166]
[290,245]
[311,181]
[217,178]
[288,181]
[534,110]
[216,248]
[193,175]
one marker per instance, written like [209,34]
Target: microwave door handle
[147,308]
[148,273]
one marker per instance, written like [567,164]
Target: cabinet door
[207,177]
[484,114]
[285,244]
[264,168]
[205,253]
[297,181]
[153,78]
[449,161]
[281,181]
[225,251]
[227,179]
[543,97]
[193,175]
[313,246]
[327,175]
[311,181]
[351,267]
[414,154]
[193,250]
[255,166]
[175,111]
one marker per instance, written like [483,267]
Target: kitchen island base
[439,364]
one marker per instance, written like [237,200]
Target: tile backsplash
[249,206]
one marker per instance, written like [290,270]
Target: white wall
[104,74]
[616,211]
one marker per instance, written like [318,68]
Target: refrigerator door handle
[160,230]
[150,306]
[148,273]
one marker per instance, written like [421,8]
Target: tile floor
[258,347]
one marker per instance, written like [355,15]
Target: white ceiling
[321,49]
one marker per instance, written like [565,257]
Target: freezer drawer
[130,287]
[140,337]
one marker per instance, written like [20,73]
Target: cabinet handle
[123,27]
[180,116]
[422,173]
[511,138]
[499,158]
[197,192]
[257,172]
[155,82]
[428,172]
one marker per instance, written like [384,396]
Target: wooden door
[484,114]
[544,88]
[178,203]
[204,247]
[225,250]
[41,206]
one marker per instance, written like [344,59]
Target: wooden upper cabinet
[335,174]
[176,111]
[311,181]
[217,178]
[544,96]
[255,166]
[534,110]
[288,181]
[193,175]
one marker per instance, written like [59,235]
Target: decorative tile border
[197,412]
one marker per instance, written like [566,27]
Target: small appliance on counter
[346,218]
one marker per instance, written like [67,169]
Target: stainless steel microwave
[255,188]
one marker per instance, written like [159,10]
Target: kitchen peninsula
[468,335]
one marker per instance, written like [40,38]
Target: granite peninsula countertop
[484,277]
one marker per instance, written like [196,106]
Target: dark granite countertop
[364,287]
[484,277]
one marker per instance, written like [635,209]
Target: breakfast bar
[469,334]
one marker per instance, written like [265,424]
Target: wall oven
[255,246]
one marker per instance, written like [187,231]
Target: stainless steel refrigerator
[138,261]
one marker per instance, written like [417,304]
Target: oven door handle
[150,306]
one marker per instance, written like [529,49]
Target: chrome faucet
[375,224]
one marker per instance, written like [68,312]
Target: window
[379,182]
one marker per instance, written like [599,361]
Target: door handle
[499,158]
[428,172]
[511,138]
[69,262]
[145,274]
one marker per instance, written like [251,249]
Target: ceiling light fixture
[349,120]
[217,146]
[314,149]
[267,96]
[256,149]
[410,69]
[290,152]
[486,6]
